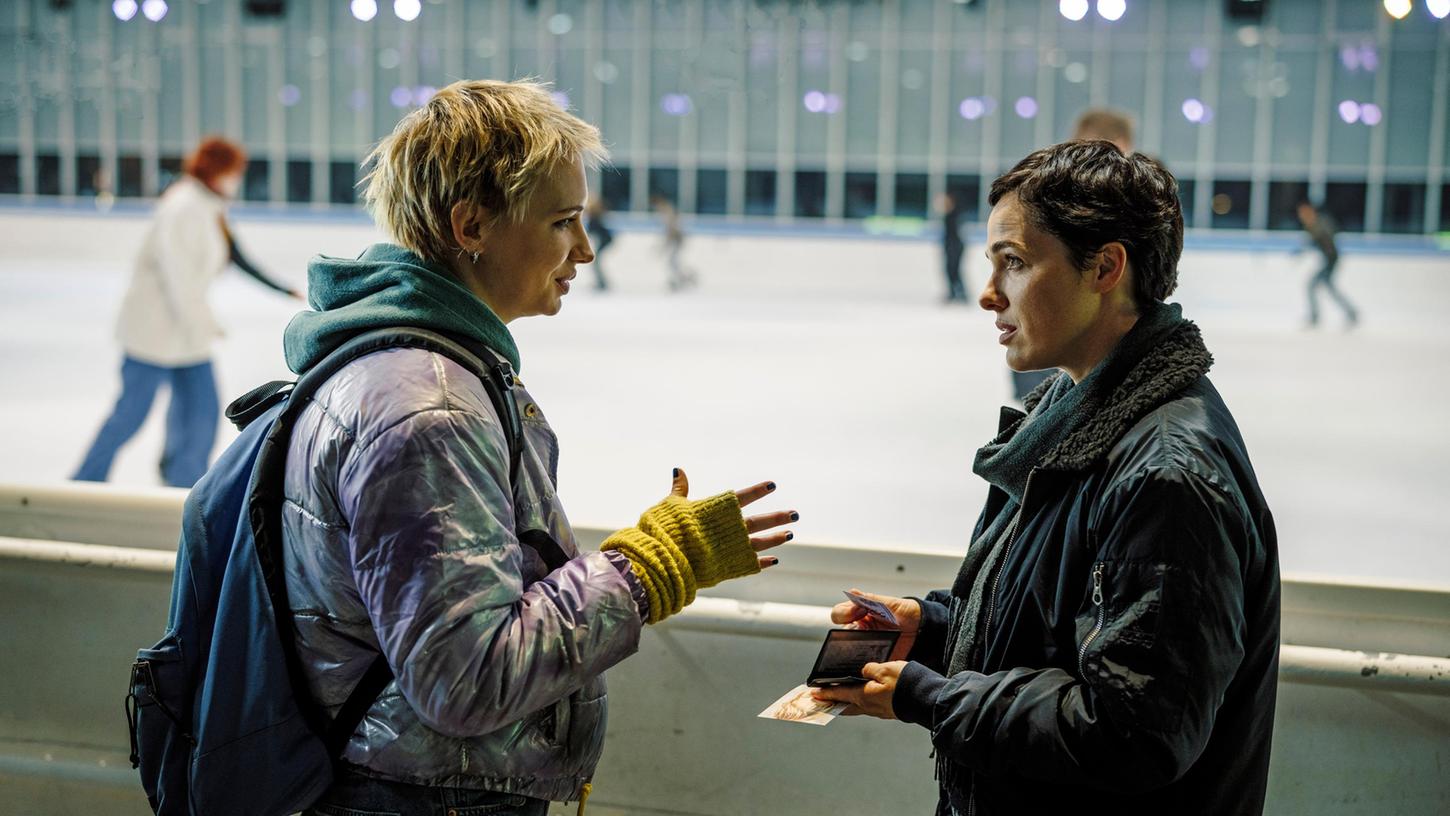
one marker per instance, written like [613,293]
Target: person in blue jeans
[166,326]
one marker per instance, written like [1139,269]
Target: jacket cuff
[620,562]
[914,700]
[931,632]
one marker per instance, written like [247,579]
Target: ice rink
[825,363]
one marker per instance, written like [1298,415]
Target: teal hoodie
[386,286]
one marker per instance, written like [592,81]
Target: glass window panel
[1408,113]
[256,185]
[88,174]
[1284,198]
[711,191]
[299,180]
[913,128]
[1073,88]
[292,100]
[1182,81]
[1239,81]
[342,182]
[1444,204]
[258,97]
[9,173]
[1230,204]
[616,72]
[966,189]
[129,183]
[761,88]
[168,170]
[212,64]
[862,107]
[810,193]
[1358,17]
[1352,86]
[860,195]
[1404,208]
[1294,110]
[918,18]
[1019,83]
[718,73]
[967,112]
[664,182]
[523,26]
[347,98]
[760,192]
[911,195]
[1126,87]
[47,174]
[1298,18]
[614,186]
[1345,202]
[817,98]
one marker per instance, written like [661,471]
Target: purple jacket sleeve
[438,567]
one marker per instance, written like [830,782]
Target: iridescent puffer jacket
[400,533]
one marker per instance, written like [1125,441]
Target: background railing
[85,571]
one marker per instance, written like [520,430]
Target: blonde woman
[403,532]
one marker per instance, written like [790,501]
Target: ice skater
[680,276]
[1320,230]
[952,246]
[601,236]
[166,327]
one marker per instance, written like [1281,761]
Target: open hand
[753,524]
[906,610]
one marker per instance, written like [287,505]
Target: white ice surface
[827,365]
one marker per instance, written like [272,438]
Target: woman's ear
[469,222]
[1111,267]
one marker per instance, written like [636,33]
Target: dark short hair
[1088,194]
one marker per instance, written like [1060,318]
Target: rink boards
[1363,718]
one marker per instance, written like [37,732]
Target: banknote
[797,705]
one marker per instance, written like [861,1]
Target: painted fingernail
[789,536]
[772,561]
[770,485]
[794,516]
[677,473]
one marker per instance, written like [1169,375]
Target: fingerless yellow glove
[680,546]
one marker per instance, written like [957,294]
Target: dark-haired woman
[166,326]
[1110,644]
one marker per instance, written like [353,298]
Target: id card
[846,652]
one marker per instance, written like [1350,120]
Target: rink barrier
[745,226]
[1339,668]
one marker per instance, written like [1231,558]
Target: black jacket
[1159,699]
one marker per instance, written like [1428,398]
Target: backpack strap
[265,495]
[254,403]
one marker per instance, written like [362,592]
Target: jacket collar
[1170,366]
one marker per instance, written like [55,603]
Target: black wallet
[846,651]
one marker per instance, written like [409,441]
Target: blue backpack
[220,715]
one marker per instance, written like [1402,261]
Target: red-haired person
[166,327]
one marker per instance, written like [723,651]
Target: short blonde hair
[479,140]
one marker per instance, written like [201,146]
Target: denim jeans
[353,794]
[191,421]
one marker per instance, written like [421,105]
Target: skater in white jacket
[166,327]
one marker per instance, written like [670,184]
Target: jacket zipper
[1002,565]
[1102,613]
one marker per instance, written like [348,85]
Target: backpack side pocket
[158,713]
